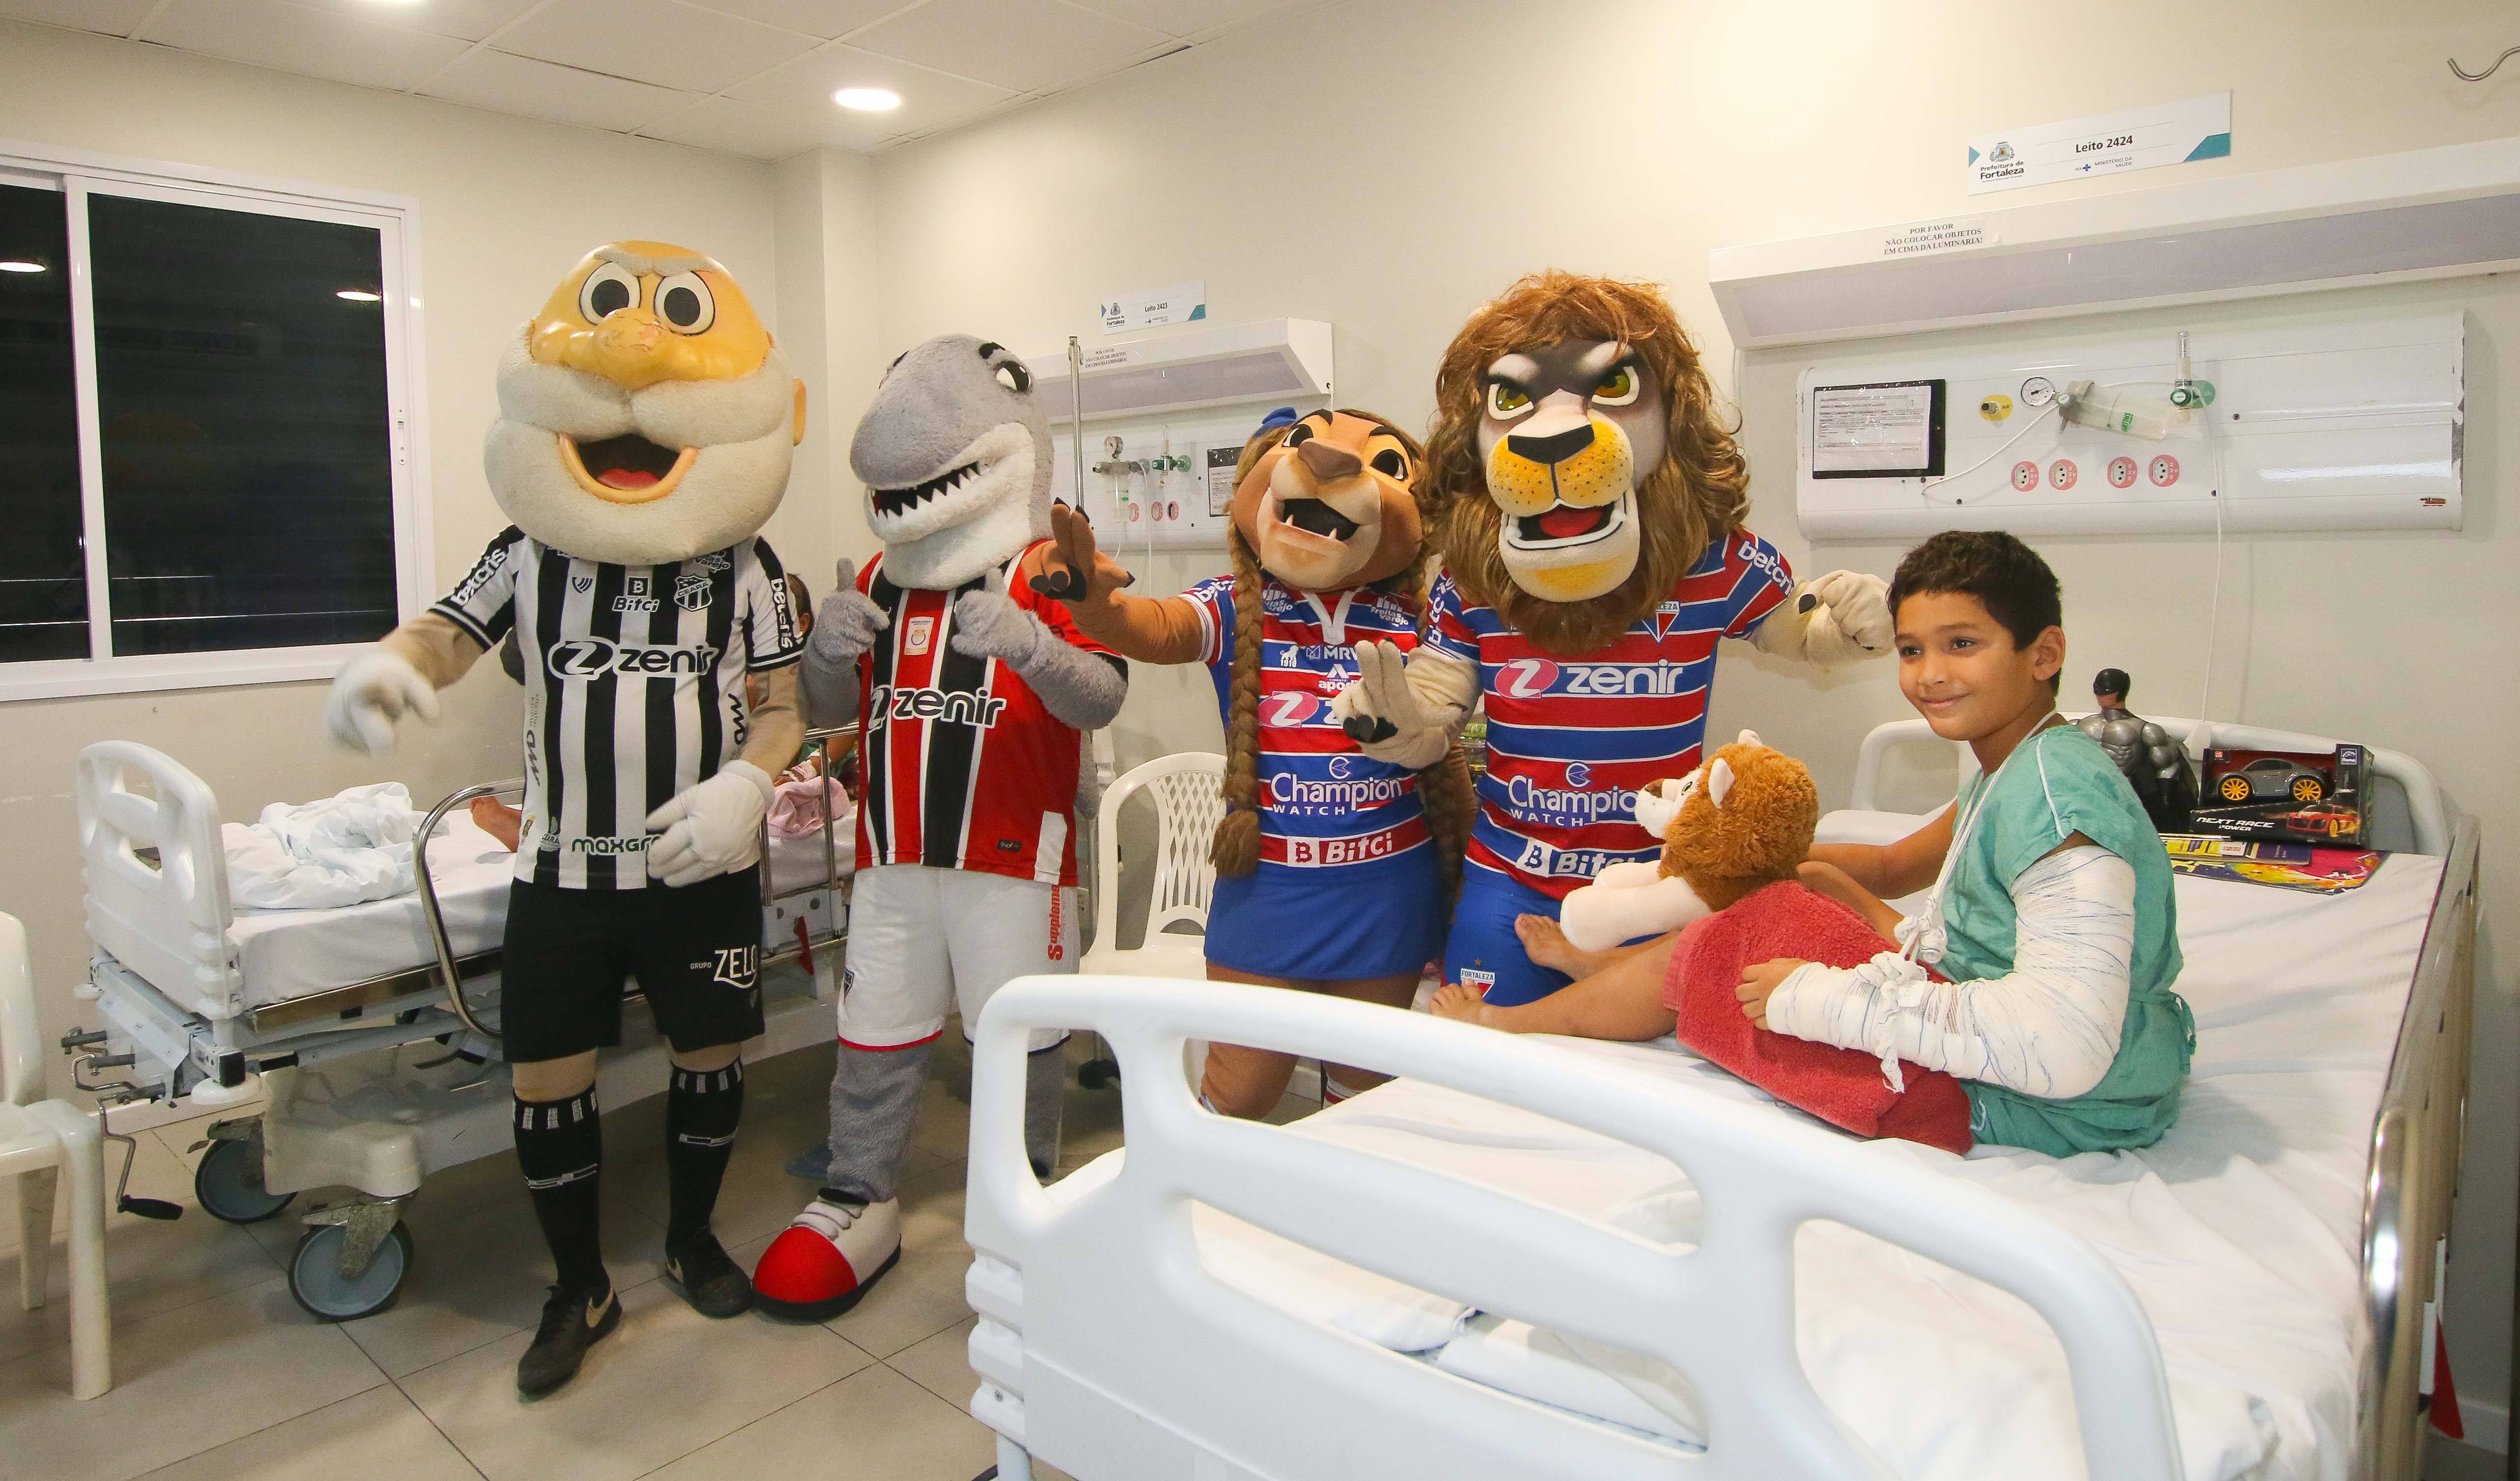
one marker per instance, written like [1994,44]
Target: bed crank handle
[429,909]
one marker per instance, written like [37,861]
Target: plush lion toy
[1593,554]
[1334,869]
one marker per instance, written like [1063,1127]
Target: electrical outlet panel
[1168,487]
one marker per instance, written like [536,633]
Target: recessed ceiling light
[21,267]
[359,296]
[868,100]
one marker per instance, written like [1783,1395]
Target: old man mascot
[645,430]
[1593,554]
[975,692]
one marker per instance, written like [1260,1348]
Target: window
[205,463]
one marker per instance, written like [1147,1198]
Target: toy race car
[2271,776]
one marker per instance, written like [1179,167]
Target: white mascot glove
[371,693]
[1830,620]
[1383,713]
[710,829]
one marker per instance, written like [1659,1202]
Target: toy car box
[2311,797]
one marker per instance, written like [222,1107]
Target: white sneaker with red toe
[826,1258]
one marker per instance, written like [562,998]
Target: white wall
[1387,166]
[506,205]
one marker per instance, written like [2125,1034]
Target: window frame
[80,174]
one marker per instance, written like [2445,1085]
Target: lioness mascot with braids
[1594,553]
[1329,877]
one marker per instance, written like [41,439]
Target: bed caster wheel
[1095,1073]
[316,1279]
[228,1183]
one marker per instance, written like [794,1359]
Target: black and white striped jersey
[634,687]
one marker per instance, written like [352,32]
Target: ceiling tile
[655,41]
[508,85]
[815,17]
[114,18]
[470,20]
[1183,17]
[927,99]
[764,131]
[317,43]
[1022,44]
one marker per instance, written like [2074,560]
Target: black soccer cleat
[572,1322]
[711,1282]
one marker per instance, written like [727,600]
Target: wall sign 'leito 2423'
[2355,425]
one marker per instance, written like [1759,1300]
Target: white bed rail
[168,923]
[1106,1349]
[2427,818]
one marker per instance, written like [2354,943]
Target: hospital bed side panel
[189,965]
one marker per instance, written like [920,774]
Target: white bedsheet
[288,954]
[2240,1231]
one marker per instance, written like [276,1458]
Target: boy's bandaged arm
[1405,710]
[2049,1027]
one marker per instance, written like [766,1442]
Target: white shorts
[924,941]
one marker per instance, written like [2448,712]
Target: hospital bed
[1551,1258]
[368,1033]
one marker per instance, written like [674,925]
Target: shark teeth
[903,500]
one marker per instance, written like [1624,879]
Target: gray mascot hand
[849,622]
[987,623]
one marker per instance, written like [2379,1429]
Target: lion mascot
[1594,553]
[973,691]
[645,423]
[1335,870]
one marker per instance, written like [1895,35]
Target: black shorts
[695,950]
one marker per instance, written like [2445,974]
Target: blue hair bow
[1283,416]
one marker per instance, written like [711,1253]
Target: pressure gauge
[2038,391]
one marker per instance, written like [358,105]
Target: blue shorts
[1377,919]
[1483,949]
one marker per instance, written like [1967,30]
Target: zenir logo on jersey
[953,707]
[594,656]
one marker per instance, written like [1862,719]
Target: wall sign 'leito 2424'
[2353,425]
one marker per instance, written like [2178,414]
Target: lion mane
[1699,493]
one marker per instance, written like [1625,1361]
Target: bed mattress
[2240,1231]
[288,954]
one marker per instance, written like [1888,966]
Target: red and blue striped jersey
[1571,740]
[1322,800]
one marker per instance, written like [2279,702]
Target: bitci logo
[1526,677]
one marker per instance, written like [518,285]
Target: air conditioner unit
[1284,358]
[2442,213]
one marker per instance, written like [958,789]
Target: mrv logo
[593,657]
[953,707]
[1531,677]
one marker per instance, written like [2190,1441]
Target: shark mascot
[974,692]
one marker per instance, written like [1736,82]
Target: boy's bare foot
[1461,1004]
[1546,943]
[498,820]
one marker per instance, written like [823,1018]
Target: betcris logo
[1533,677]
[594,656]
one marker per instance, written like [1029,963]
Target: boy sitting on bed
[2058,928]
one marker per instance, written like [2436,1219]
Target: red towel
[1842,1087]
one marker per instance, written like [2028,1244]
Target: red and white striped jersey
[964,767]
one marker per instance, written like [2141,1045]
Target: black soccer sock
[560,1147]
[702,1110]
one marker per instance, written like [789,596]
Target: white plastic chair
[1188,792]
[40,1140]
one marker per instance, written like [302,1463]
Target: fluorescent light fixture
[1273,359]
[868,100]
[359,296]
[21,266]
[2440,212]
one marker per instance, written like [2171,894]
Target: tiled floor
[218,1372]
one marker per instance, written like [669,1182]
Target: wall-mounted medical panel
[1169,484]
[2346,425]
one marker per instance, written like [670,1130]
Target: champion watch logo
[1578,775]
[1526,677]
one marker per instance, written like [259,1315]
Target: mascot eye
[1391,464]
[686,305]
[1505,401]
[1014,377]
[1302,434]
[1617,389]
[609,289]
